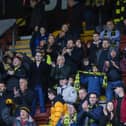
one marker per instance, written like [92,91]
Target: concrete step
[42,119]
[22,46]
[22,42]
[25,50]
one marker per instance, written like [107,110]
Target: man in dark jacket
[91,111]
[60,69]
[82,98]
[73,55]
[103,54]
[23,95]
[39,79]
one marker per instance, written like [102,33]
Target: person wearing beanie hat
[120,84]
[24,119]
[25,108]
[120,105]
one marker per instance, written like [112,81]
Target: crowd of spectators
[70,74]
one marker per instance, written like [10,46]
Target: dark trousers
[39,99]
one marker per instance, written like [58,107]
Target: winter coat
[122,109]
[30,122]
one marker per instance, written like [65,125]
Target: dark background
[15,9]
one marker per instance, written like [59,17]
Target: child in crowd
[70,118]
[93,81]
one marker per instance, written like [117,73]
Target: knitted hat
[25,108]
[118,84]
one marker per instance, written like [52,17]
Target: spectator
[39,80]
[60,69]
[41,45]
[58,108]
[35,34]
[123,61]
[85,66]
[71,80]
[52,48]
[108,118]
[23,95]
[42,36]
[112,70]
[14,73]
[103,54]
[26,63]
[67,92]
[73,55]
[5,114]
[38,36]
[3,91]
[93,81]
[110,32]
[91,111]
[8,112]
[70,118]
[93,48]
[63,36]
[24,119]
[82,94]
[80,51]
[119,105]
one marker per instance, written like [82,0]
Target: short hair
[95,93]
[52,91]
[2,82]
[24,78]
[18,57]
[106,39]
[82,88]
[61,56]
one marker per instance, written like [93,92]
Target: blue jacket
[93,114]
[94,83]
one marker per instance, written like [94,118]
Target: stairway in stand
[23,47]
[42,119]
